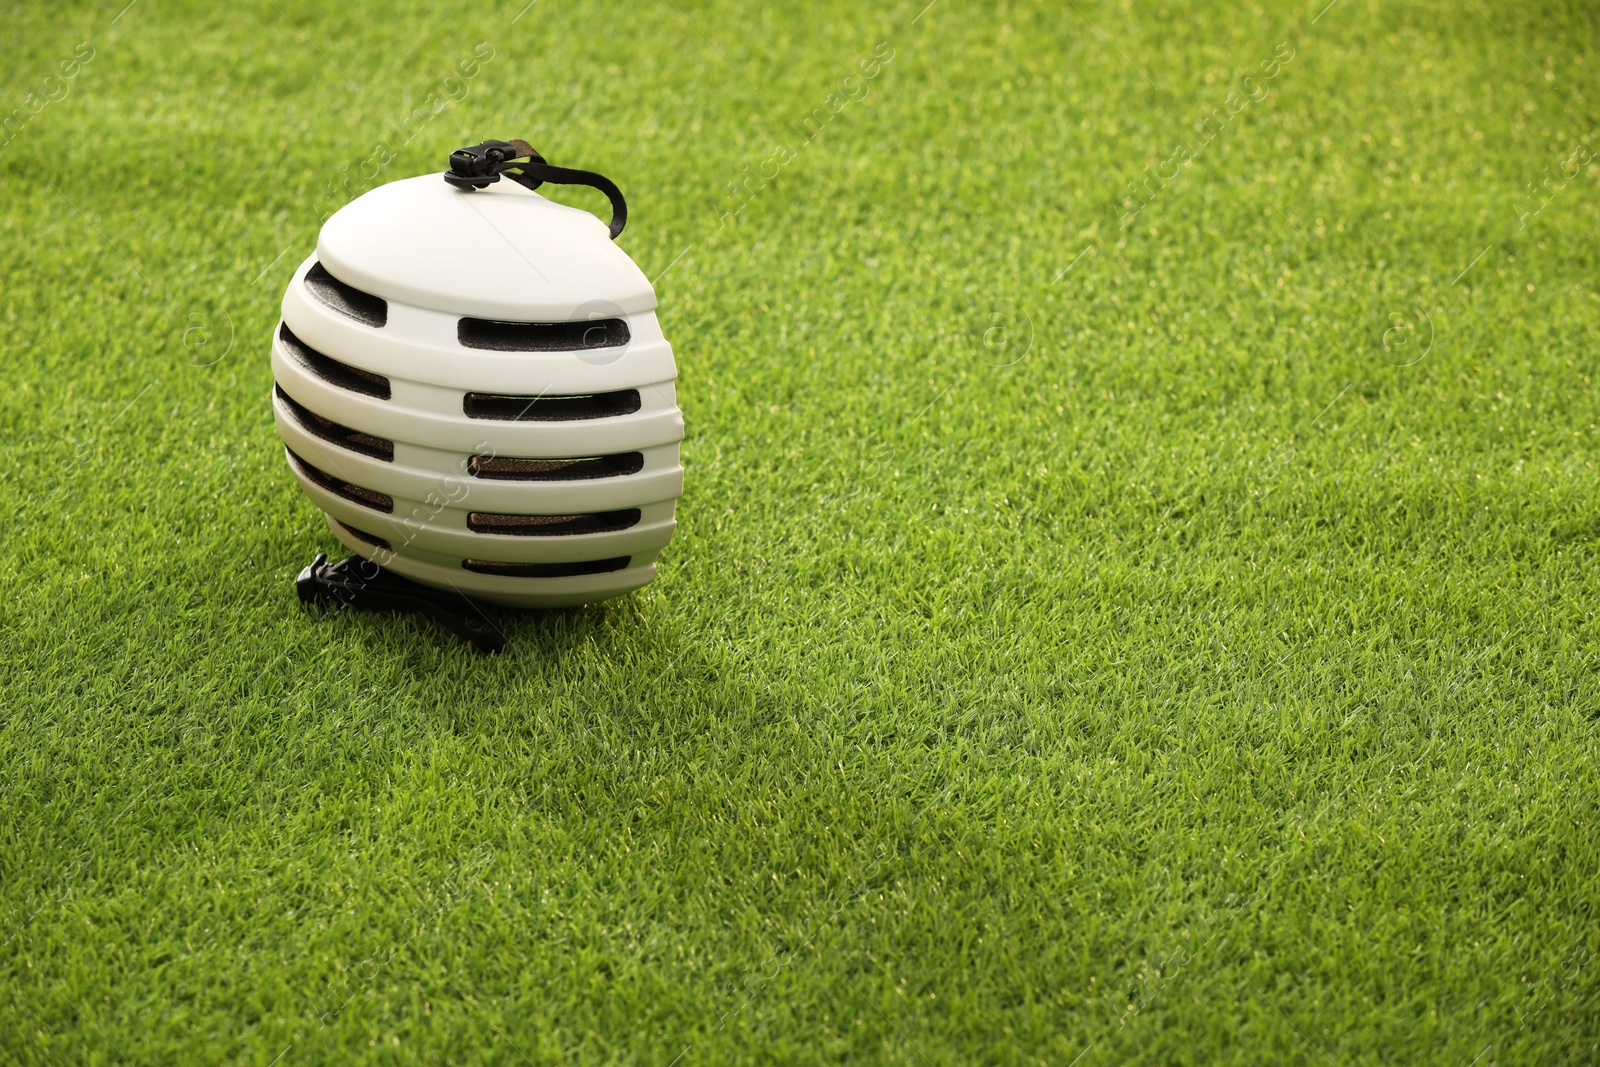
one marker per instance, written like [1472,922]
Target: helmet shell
[474,389]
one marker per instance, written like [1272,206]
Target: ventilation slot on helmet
[555,470]
[331,370]
[339,487]
[328,430]
[546,570]
[552,525]
[551,408]
[361,535]
[346,299]
[542,336]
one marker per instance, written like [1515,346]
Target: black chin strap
[482,165]
[365,586]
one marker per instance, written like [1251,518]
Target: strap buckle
[480,165]
[363,585]
[483,164]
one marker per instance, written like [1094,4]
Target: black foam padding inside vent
[542,336]
[510,469]
[551,525]
[346,299]
[550,408]
[356,441]
[546,570]
[361,535]
[331,370]
[339,487]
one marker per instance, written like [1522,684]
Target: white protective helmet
[472,385]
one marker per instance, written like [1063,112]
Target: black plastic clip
[483,164]
[474,168]
[365,586]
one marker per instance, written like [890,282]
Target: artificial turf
[1105,625]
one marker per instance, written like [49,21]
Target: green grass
[1171,677]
